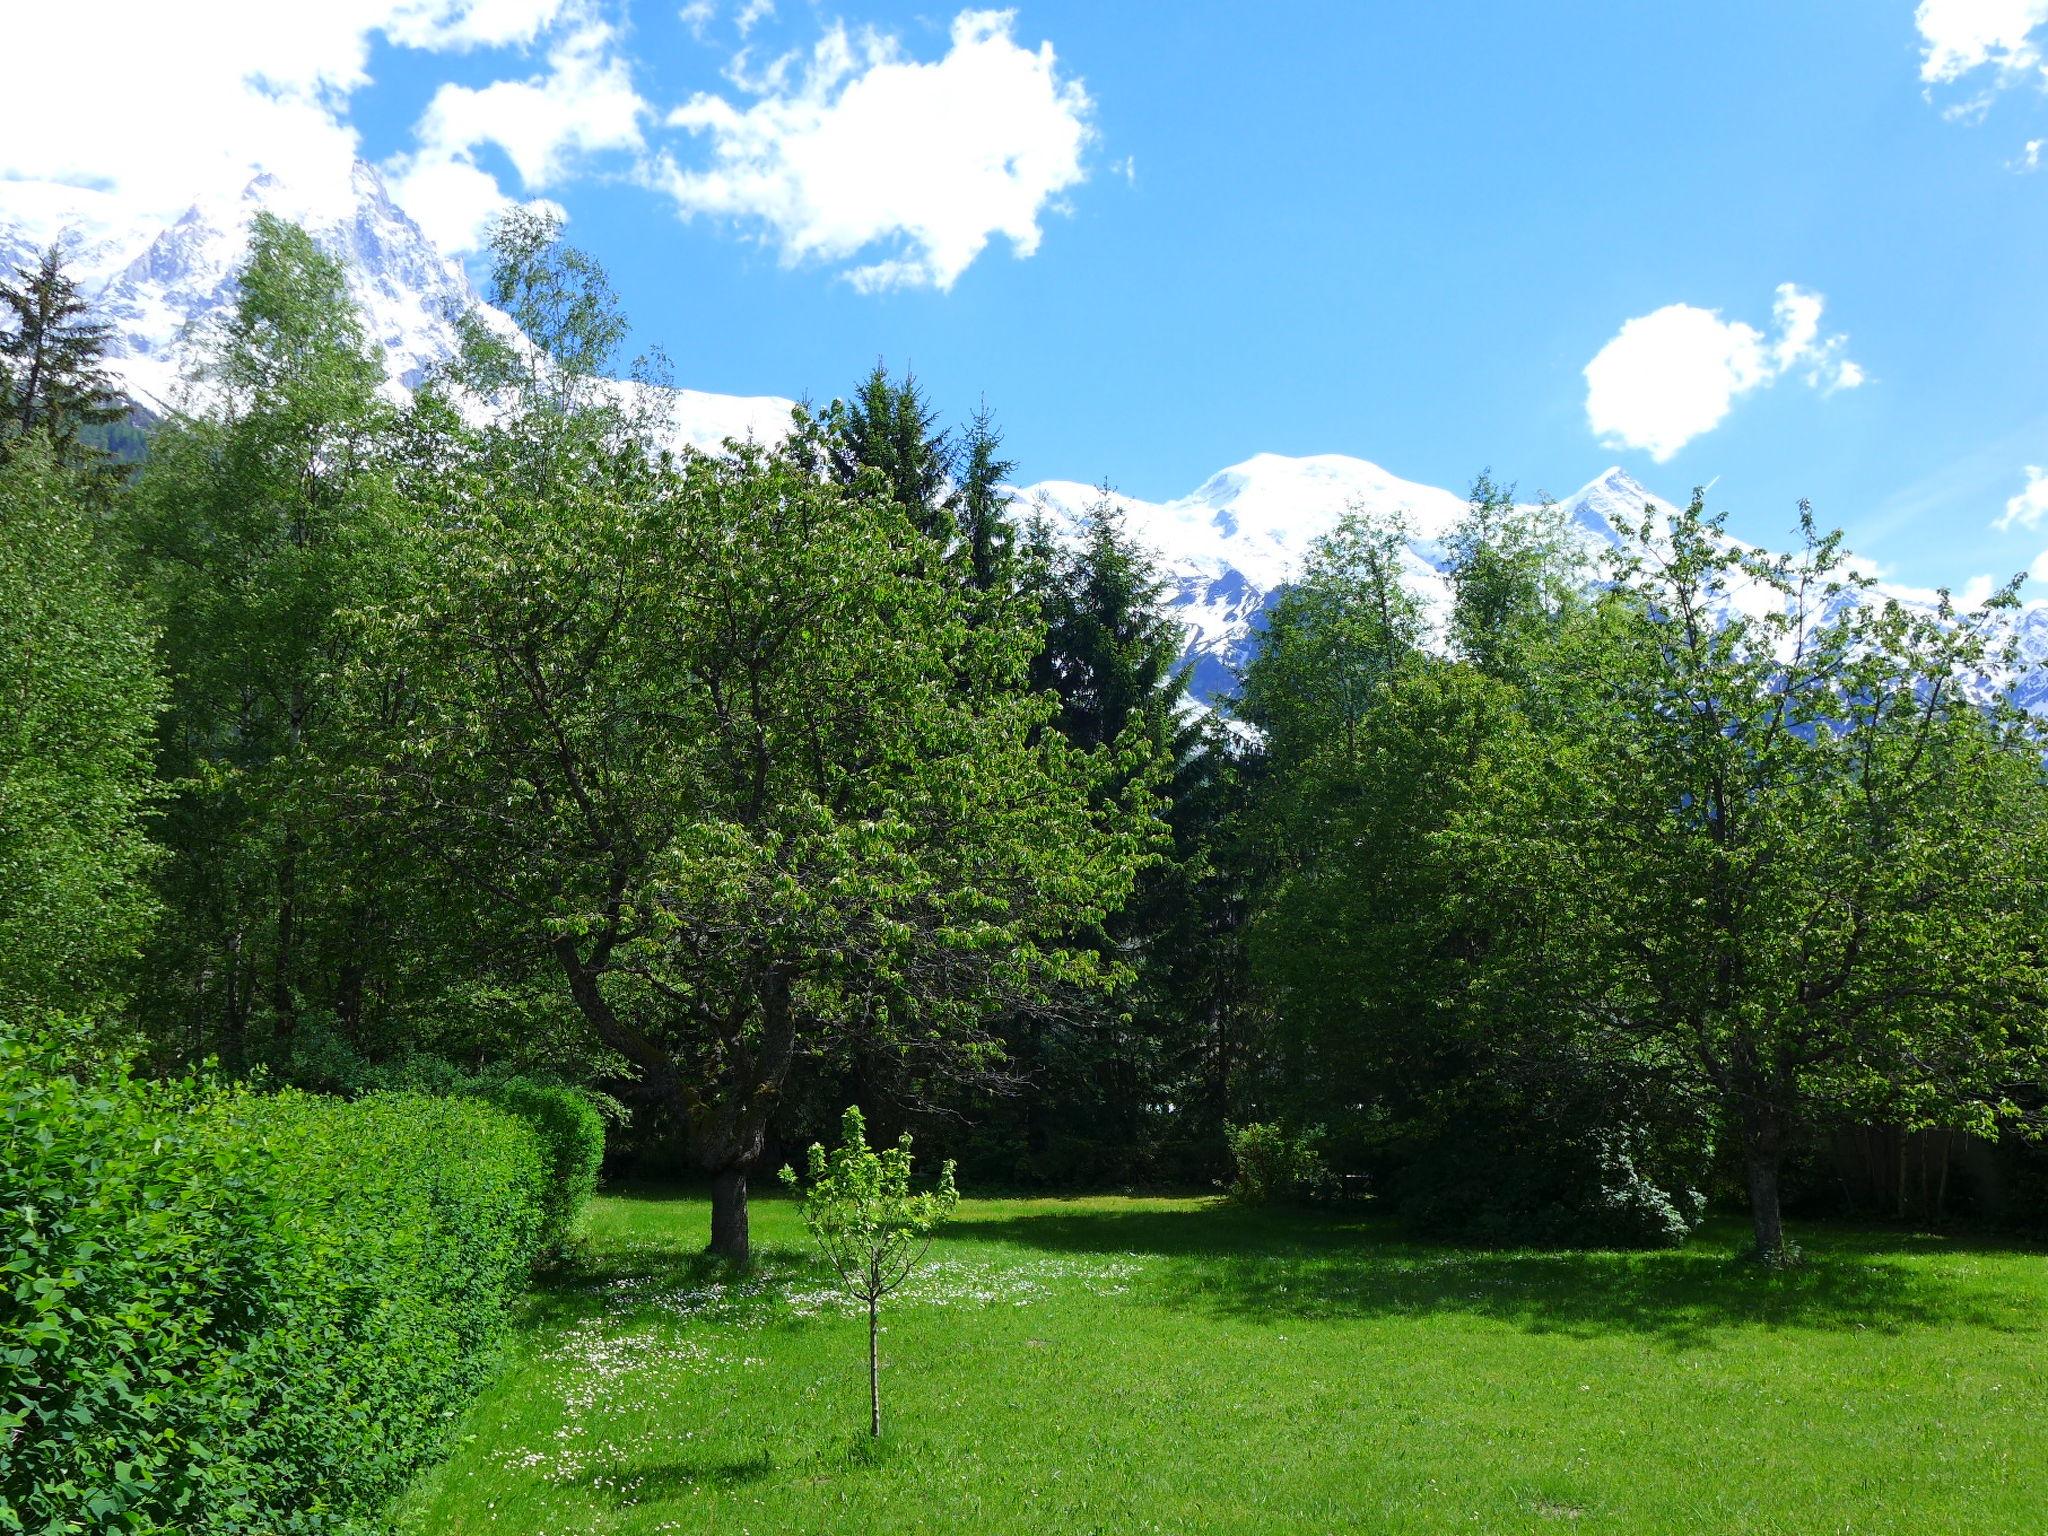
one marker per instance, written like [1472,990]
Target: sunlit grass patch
[1137,1365]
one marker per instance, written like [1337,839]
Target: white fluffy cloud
[1960,37]
[857,150]
[849,153]
[584,103]
[1669,376]
[2029,506]
[260,85]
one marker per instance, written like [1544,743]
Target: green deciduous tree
[260,521]
[860,1209]
[79,696]
[1773,844]
[717,737]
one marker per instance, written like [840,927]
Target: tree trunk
[874,1372]
[1766,1145]
[729,1214]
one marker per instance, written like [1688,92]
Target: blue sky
[1392,230]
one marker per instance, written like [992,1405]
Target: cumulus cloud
[1669,376]
[1992,44]
[2029,506]
[1959,37]
[584,103]
[857,151]
[900,171]
[260,86]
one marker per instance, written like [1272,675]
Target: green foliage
[1271,1167]
[718,740]
[52,385]
[81,695]
[1336,638]
[229,1313]
[571,1133]
[1569,1166]
[1777,853]
[258,524]
[887,436]
[860,1209]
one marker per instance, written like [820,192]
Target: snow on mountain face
[1228,549]
[1230,546]
[408,292]
[160,300]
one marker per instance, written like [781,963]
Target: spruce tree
[1112,656]
[890,427]
[51,380]
[981,508]
[1114,649]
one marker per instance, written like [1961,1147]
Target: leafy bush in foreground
[232,1313]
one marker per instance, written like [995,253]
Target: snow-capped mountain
[408,292]
[160,297]
[1227,548]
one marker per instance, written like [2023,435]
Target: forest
[413,811]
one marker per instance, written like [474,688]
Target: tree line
[359,741]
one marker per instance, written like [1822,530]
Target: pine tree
[51,380]
[889,426]
[1112,656]
[981,508]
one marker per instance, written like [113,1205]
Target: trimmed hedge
[571,1133]
[223,1312]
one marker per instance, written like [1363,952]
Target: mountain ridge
[1226,549]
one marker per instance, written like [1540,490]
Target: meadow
[1142,1365]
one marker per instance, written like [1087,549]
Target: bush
[571,1133]
[1619,1185]
[232,1313]
[1272,1168]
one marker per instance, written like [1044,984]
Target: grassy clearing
[1119,1365]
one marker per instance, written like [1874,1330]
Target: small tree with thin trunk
[860,1208]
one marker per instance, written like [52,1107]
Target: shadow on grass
[1281,1267]
[652,1282]
[634,1483]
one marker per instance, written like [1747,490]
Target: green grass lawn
[1128,1365]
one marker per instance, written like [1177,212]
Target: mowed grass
[1133,1365]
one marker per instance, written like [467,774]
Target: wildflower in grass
[860,1208]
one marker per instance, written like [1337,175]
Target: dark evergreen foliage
[51,378]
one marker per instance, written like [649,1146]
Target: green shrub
[135,1255]
[1270,1167]
[571,1133]
[1589,1185]
[232,1313]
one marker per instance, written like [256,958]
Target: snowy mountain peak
[1227,549]
[409,293]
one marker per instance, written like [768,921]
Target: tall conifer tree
[51,379]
